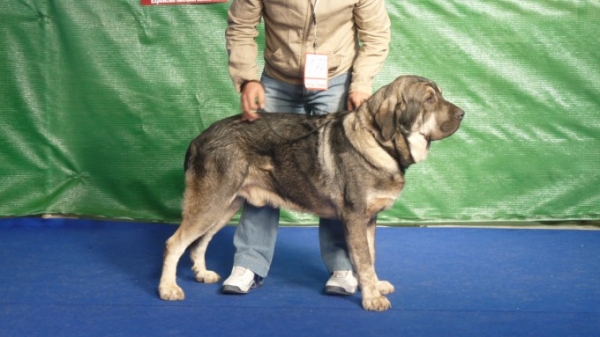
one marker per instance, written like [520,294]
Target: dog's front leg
[384,287]
[362,257]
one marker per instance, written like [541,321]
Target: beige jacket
[290,34]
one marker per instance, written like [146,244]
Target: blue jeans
[257,230]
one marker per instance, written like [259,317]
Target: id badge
[316,72]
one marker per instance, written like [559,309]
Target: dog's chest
[383,194]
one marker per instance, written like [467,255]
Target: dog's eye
[430,99]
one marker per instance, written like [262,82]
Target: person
[320,57]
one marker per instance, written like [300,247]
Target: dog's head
[413,108]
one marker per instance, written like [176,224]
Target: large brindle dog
[345,165]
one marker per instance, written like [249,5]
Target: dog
[345,165]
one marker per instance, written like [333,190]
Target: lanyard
[315,24]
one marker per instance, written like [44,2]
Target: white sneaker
[341,282]
[240,281]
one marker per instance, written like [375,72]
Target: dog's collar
[402,149]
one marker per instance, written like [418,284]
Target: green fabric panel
[99,100]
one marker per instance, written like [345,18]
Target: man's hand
[253,98]
[355,99]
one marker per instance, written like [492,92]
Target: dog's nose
[459,115]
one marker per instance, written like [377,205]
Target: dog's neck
[398,148]
[366,142]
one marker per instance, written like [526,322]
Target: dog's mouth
[445,130]
[448,128]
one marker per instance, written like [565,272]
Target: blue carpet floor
[99,278]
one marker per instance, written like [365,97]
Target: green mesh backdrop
[99,100]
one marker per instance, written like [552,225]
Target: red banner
[178,2]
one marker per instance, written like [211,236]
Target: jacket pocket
[280,62]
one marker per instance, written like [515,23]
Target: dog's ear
[387,107]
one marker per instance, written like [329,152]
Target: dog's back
[262,136]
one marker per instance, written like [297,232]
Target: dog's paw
[207,276]
[385,287]
[379,303]
[171,292]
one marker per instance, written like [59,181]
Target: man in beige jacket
[320,56]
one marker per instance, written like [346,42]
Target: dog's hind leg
[191,229]
[199,217]
[198,250]
[176,245]
[206,199]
